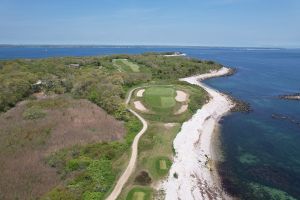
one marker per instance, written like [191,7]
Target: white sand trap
[180,96]
[140,93]
[182,109]
[138,105]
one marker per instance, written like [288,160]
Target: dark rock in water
[240,105]
[295,96]
[231,72]
[278,116]
[285,117]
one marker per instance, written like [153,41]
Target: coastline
[192,174]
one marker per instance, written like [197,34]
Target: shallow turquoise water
[259,149]
[262,153]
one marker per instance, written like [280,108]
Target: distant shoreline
[141,45]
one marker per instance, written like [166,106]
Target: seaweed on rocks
[239,105]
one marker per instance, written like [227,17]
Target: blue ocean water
[262,152]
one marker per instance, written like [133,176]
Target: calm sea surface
[262,152]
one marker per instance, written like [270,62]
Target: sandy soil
[169,125]
[180,96]
[138,105]
[140,93]
[193,149]
[182,109]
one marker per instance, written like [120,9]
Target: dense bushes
[93,78]
[174,67]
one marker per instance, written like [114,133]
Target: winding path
[134,151]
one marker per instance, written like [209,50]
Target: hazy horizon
[144,45]
[216,23]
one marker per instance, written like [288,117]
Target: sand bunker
[180,96]
[138,105]
[182,109]
[140,93]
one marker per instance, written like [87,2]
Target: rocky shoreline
[191,175]
[240,105]
[295,96]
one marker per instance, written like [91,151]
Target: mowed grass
[126,65]
[156,149]
[160,98]
[139,193]
[162,165]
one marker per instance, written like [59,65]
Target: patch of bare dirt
[25,143]
[169,125]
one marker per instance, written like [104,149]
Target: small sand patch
[138,105]
[180,96]
[169,125]
[182,109]
[140,93]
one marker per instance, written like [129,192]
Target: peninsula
[109,127]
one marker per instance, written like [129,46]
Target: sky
[257,23]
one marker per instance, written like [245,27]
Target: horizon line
[145,45]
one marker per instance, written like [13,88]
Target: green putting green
[138,196]
[160,98]
[162,165]
[126,65]
[139,193]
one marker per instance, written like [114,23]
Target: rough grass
[34,112]
[33,130]
[90,171]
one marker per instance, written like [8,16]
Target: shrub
[76,164]
[92,195]
[175,175]
[143,178]
[33,113]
